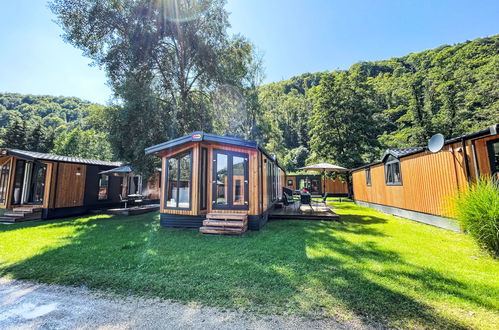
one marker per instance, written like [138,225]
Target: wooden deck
[318,211]
[135,210]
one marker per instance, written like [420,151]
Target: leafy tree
[15,135]
[83,143]
[343,128]
[179,51]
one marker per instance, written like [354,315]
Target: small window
[103,187]
[393,175]
[290,183]
[493,148]
[368,176]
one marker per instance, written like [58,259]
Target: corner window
[368,176]
[393,175]
[103,186]
[178,181]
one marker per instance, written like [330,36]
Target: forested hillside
[63,125]
[347,117]
[350,117]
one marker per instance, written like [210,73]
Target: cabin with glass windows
[318,185]
[36,185]
[417,184]
[220,184]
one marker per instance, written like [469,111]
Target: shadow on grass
[302,267]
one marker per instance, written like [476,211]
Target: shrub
[478,210]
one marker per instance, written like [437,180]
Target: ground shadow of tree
[303,266]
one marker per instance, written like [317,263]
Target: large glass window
[392,171]
[230,184]
[178,184]
[103,186]
[4,178]
[238,174]
[222,178]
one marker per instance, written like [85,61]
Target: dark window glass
[230,183]
[103,186]
[368,176]
[393,174]
[222,178]
[493,147]
[204,178]
[4,177]
[290,182]
[238,178]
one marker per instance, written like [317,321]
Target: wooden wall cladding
[196,151]
[70,187]
[293,182]
[429,182]
[482,155]
[336,186]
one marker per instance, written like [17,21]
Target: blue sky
[294,37]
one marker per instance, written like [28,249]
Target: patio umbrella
[323,168]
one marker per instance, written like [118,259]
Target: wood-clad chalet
[418,184]
[315,185]
[213,181]
[37,185]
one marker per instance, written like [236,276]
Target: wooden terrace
[298,211]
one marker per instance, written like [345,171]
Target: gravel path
[25,305]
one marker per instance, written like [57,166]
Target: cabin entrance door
[29,182]
[230,183]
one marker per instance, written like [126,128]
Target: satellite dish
[436,143]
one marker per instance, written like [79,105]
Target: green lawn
[370,265]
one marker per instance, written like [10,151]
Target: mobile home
[37,185]
[210,178]
[315,184]
[418,184]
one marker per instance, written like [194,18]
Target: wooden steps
[225,224]
[22,213]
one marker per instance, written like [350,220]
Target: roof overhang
[199,136]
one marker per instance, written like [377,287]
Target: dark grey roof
[202,136]
[32,155]
[401,152]
[118,170]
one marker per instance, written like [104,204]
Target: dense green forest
[62,125]
[175,71]
[350,117]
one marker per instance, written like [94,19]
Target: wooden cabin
[37,185]
[315,185]
[418,184]
[214,182]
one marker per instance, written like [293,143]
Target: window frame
[491,155]
[203,179]
[177,156]
[389,164]
[99,187]
[230,193]
[368,177]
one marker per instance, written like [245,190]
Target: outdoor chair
[287,200]
[124,200]
[306,199]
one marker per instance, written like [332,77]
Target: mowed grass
[369,266]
